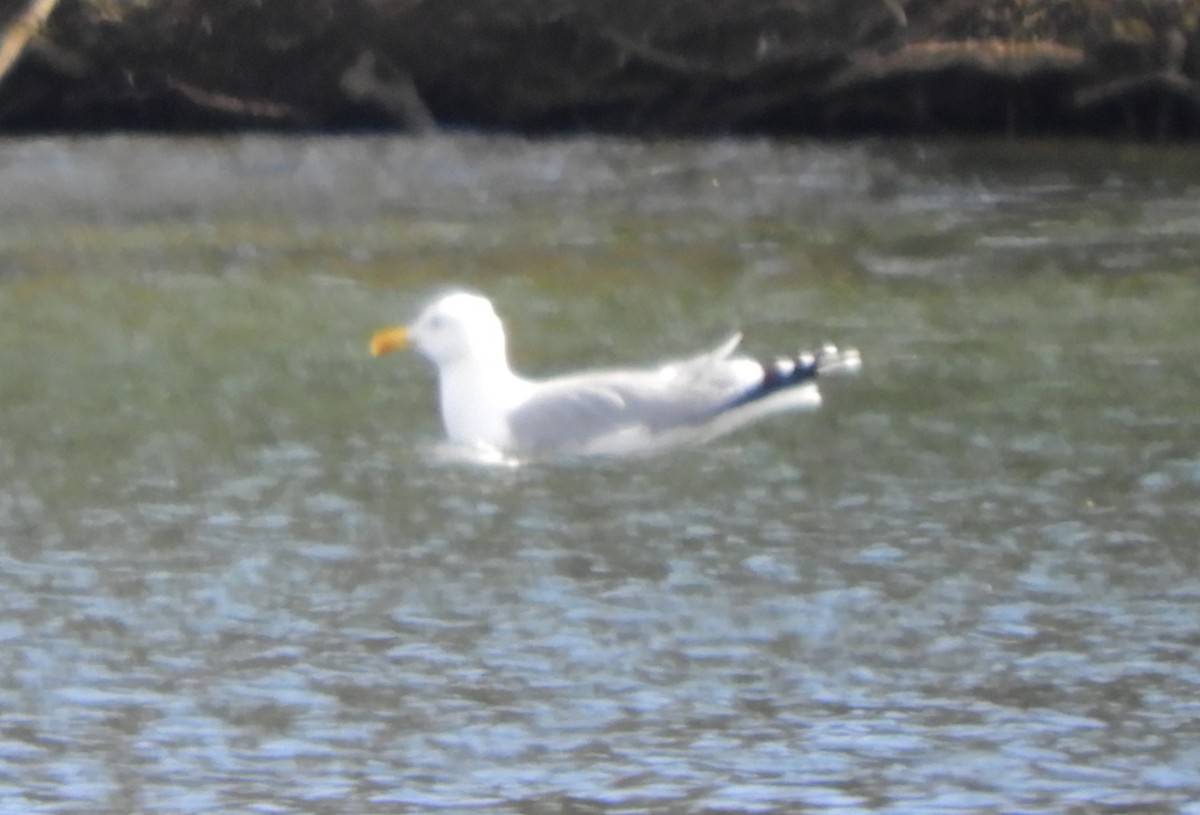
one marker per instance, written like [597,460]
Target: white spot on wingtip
[848,361]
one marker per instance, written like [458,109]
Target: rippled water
[239,574]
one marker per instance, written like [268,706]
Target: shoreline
[687,68]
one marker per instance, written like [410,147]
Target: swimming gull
[484,403]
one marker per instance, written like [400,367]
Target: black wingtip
[782,373]
[785,372]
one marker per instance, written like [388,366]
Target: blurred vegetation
[1127,68]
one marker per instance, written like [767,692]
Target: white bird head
[455,328]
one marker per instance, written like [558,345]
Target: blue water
[240,572]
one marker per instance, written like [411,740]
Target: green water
[240,571]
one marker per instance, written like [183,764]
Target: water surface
[239,573]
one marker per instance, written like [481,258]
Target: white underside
[638,440]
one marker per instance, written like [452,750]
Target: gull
[485,404]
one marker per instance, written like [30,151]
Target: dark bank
[825,68]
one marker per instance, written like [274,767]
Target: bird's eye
[436,322]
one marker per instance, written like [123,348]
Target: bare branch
[225,103]
[23,29]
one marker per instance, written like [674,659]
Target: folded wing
[577,411]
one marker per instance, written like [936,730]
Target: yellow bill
[388,340]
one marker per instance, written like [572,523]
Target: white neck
[476,396]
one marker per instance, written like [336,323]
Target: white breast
[475,404]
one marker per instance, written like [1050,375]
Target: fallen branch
[993,57]
[224,103]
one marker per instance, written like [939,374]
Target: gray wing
[572,411]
